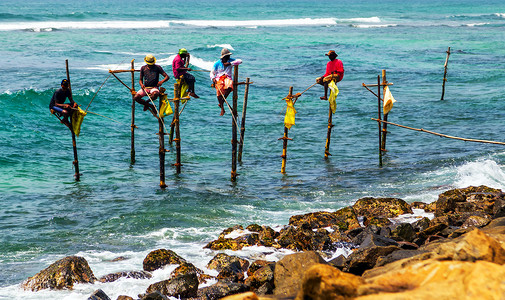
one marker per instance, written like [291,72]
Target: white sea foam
[228,46]
[501,15]
[160,60]
[48,26]
[254,23]
[482,172]
[373,25]
[362,20]
[476,24]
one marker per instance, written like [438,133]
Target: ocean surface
[118,209]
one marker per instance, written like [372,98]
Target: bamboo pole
[242,124]
[385,116]
[177,95]
[379,118]
[445,72]
[328,134]
[77,175]
[162,150]
[443,135]
[234,126]
[132,146]
[285,139]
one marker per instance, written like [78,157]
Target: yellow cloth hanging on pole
[333,95]
[388,100]
[184,90]
[77,117]
[289,119]
[165,108]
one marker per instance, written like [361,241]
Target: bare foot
[194,95]
[222,111]
[323,98]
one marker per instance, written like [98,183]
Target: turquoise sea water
[117,209]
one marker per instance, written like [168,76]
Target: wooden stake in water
[379,118]
[132,146]
[234,126]
[385,118]
[242,124]
[285,139]
[77,175]
[445,72]
[177,96]
[328,134]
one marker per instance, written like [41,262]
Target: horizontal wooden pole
[442,135]
[123,71]
[389,83]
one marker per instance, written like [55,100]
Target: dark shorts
[57,109]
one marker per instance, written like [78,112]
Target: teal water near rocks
[117,209]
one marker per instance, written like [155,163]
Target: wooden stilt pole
[234,126]
[162,150]
[380,118]
[77,175]
[242,124]
[285,139]
[177,96]
[385,118]
[132,146]
[328,135]
[172,127]
[445,72]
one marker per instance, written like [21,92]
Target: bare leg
[325,92]
[221,104]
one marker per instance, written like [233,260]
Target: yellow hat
[150,59]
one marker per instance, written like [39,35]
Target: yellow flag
[333,95]
[77,117]
[165,108]
[388,100]
[289,119]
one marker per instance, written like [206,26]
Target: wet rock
[129,274]
[304,239]
[188,268]
[402,232]
[344,218]
[61,275]
[254,228]
[421,224]
[476,221]
[378,221]
[397,255]
[225,244]
[289,271]
[182,286]
[243,296]
[221,260]
[258,264]
[264,277]
[220,290]
[154,296]
[99,295]
[338,236]
[373,236]
[381,207]
[326,282]
[338,262]
[159,258]
[365,259]
[120,258]
[267,237]
[123,297]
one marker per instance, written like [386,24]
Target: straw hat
[331,52]
[225,52]
[150,59]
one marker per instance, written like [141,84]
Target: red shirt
[177,63]
[335,66]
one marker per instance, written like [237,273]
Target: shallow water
[117,209]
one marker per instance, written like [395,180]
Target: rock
[243,296]
[434,279]
[119,258]
[61,275]
[182,286]
[154,296]
[267,237]
[396,255]
[187,268]
[160,258]
[262,277]
[402,232]
[123,297]
[408,246]
[338,262]
[344,218]
[254,228]
[99,295]
[476,221]
[303,239]
[225,244]
[383,207]
[229,230]
[130,274]
[421,224]
[365,259]
[220,290]
[378,221]
[220,260]
[338,237]
[324,282]
[258,264]
[289,271]
[373,236]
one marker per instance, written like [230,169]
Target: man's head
[65,84]
[183,52]
[331,54]
[225,54]
[150,59]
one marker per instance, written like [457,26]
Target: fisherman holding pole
[180,69]
[221,76]
[334,71]
[149,83]
[58,105]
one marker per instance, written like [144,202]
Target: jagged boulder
[305,239]
[344,218]
[258,264]
[124,297]
[370,207]
[262,279]
[220,290]
[99,295]
[187,268]
[126,274]
[153,296]
[159,258]
[365,259]
[230,268]
[182,286]
[62,274]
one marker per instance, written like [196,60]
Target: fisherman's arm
[164,79]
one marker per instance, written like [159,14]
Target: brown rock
[61,275]
[344,218]
[221,260]
[258,264]
[123,297]
[476,221]
[130,274]
[338,237]
[220,290]
[153,296]
[383,207]
[377,220]
[187,268]
[159,258]
[324,282]
[182,286]
[99,295]
[264,275]
[304,239]
[243,296]
[289,271]
[365,259]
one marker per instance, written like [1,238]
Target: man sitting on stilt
[180,69]
[335,68]
[221,76]
[58,105]
[149,83]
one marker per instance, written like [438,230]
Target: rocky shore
[458,253]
